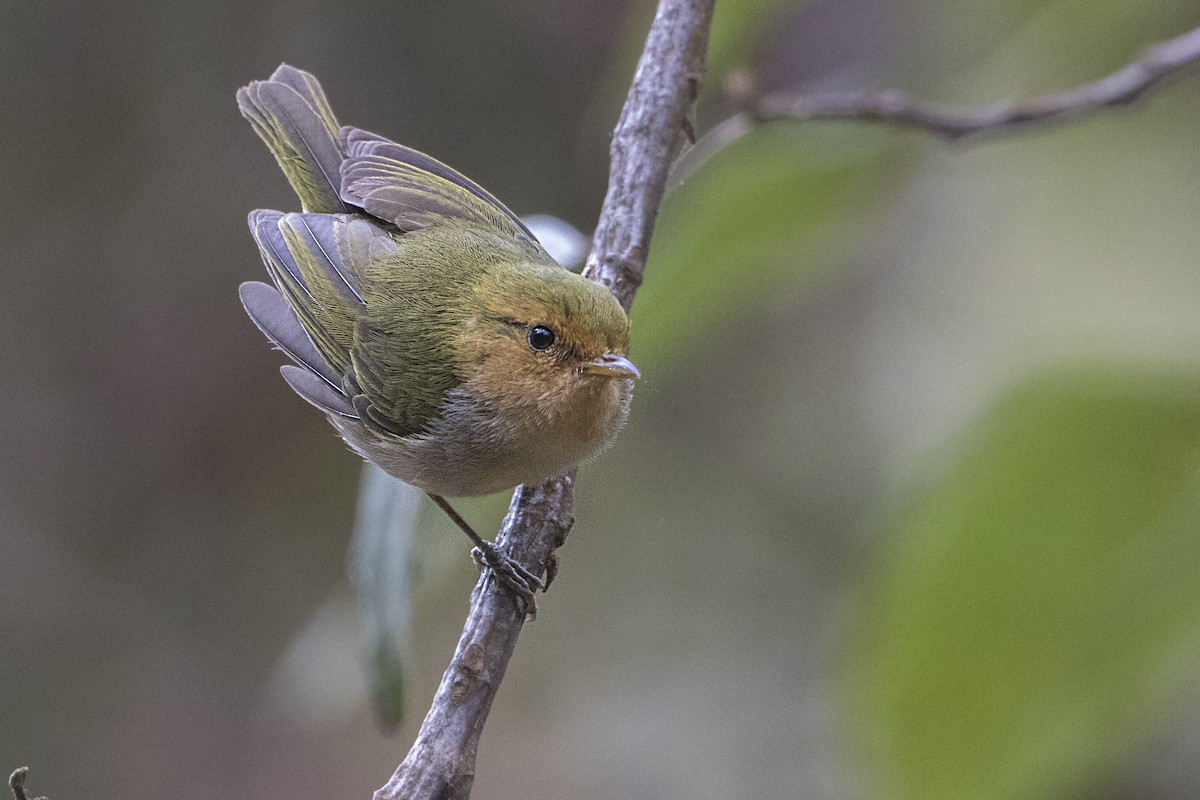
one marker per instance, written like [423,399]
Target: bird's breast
[479,446]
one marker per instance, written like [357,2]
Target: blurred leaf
[380,569]
[779,205]
[1038,607]
[738,30]
[387,675]
[1025,47]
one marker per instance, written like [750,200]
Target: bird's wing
[312,378]
[290,114]
[274,317]
[316,315]
[412,190]
[316,262]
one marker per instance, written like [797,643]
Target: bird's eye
[540,338]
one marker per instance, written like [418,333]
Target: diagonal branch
[664,89]
[897,108]
[441,763]
[946,121]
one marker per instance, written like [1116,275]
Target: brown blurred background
[831,319]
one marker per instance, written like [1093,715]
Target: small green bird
[424,318]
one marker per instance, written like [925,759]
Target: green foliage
[380,566]
[738,32]
[1037,606]
[779,207]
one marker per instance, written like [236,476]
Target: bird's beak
[611,365]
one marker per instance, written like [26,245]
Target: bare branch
[664,89]
[441,763]
[894,107]
[946,121]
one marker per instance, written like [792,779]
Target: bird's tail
[290,113]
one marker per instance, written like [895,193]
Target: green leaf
[779,206]
[380,567]
[737,31]
[1037,609]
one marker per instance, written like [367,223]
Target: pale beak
[611,365]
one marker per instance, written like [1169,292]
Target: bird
[424,318]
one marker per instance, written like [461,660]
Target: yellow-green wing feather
[312,264]
[291,115]
[413,191]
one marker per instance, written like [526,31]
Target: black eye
[540,338]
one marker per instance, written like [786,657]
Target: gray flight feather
[413,191]
[290,113]
[367,151]
[320,234]
[316,391]
[274,317]
[289,280]
[264,227]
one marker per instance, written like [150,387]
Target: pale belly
[466,452]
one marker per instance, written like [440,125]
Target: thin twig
[952,122]
[441,763]
[947,121]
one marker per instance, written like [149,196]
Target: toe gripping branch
[520,581]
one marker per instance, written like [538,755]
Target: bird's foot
[516,578]
[512,575]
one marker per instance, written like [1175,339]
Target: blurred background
[908,507]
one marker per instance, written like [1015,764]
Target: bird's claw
[512,575]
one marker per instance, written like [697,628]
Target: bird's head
[549,347]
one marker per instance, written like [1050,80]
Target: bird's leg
[519,580]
